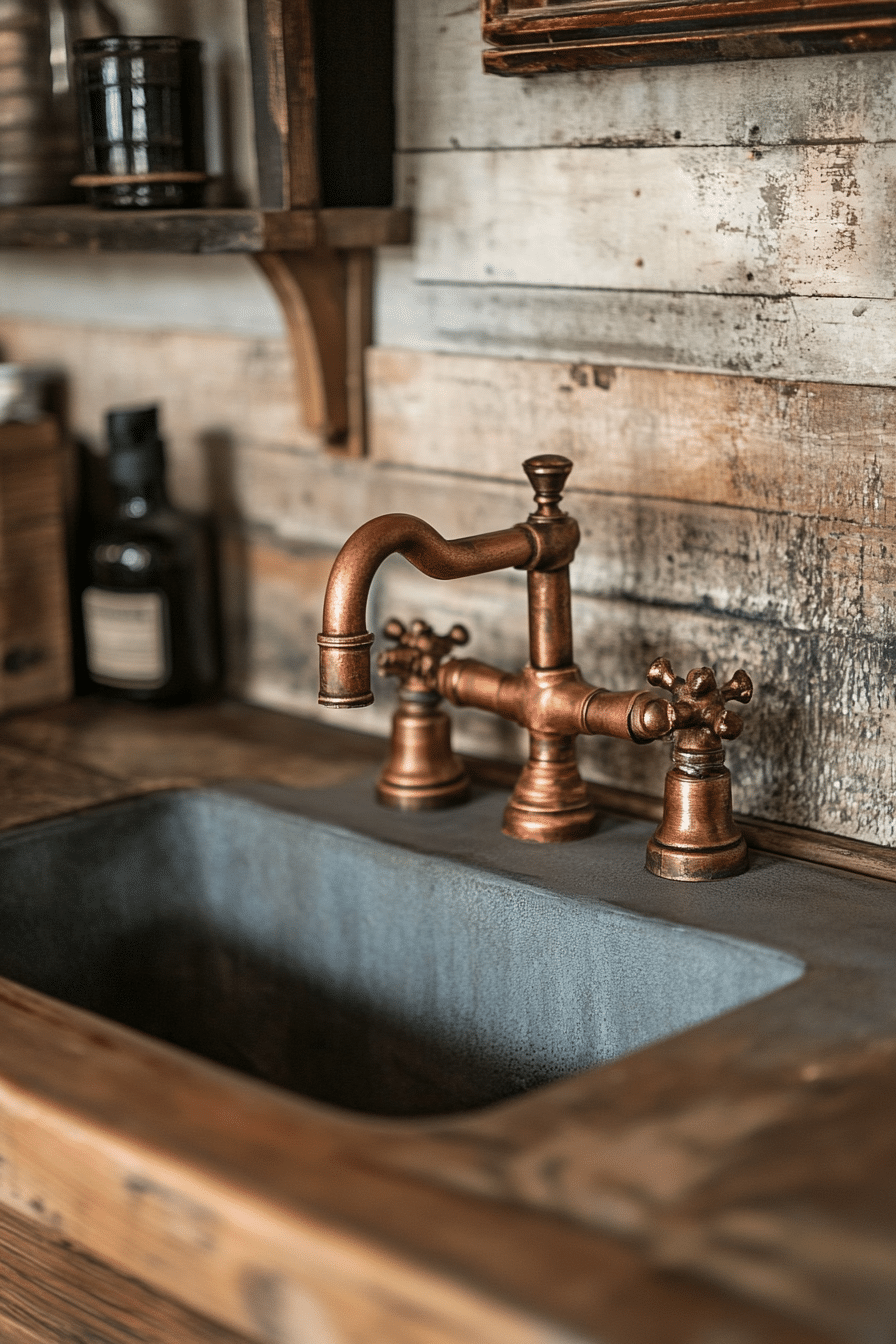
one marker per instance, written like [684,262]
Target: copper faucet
[548,697]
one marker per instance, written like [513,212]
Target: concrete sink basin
[397,965]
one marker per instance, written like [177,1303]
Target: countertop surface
[734,1184]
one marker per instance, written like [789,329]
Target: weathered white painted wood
[809,220]
[445,101]
[815,449]
[821,339]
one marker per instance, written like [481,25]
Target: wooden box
[35,632]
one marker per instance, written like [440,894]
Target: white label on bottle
[125,633]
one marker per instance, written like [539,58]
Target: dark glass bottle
[149,611]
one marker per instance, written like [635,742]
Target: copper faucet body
[551,801]
[697,838]
[549,697]
[345,641]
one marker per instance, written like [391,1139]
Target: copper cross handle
[417,654]
[699,702]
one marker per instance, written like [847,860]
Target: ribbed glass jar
[140,101]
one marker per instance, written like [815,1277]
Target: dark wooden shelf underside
[200,231]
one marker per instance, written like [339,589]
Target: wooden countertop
[733,1185]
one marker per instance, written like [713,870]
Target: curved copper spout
[345,641]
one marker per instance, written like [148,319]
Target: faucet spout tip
[345,670]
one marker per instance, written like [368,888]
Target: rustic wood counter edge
[734,1182]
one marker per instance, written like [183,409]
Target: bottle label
[126,636]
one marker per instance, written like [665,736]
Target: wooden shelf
[324,132]
[204,232]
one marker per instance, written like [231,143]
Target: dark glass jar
[140,103]
[150,621]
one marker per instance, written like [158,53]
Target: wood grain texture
[140,1162]
[35,786]
[215,392]
[311,289]
[532,39]
[89,751]
[52,1294]
[695,128]
[206,232]
[35,639]
[806,449]
[284,97]
[294,41]
[801,572]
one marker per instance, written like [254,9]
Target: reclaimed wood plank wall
[681,278]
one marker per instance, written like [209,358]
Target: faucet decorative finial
[547,476]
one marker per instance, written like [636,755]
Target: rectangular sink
[281,935]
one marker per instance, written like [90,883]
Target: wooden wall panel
[808,220]
[804,448]
[214,391]
[529,232]
[814,338]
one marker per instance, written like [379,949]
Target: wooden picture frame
[530,37]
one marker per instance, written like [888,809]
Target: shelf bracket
[326,295]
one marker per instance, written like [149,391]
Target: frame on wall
[531,37]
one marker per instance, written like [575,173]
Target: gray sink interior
[355,970]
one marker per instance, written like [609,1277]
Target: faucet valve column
[422,771]
[697,839]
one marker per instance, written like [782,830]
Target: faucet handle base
[697,840]
[422,771]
